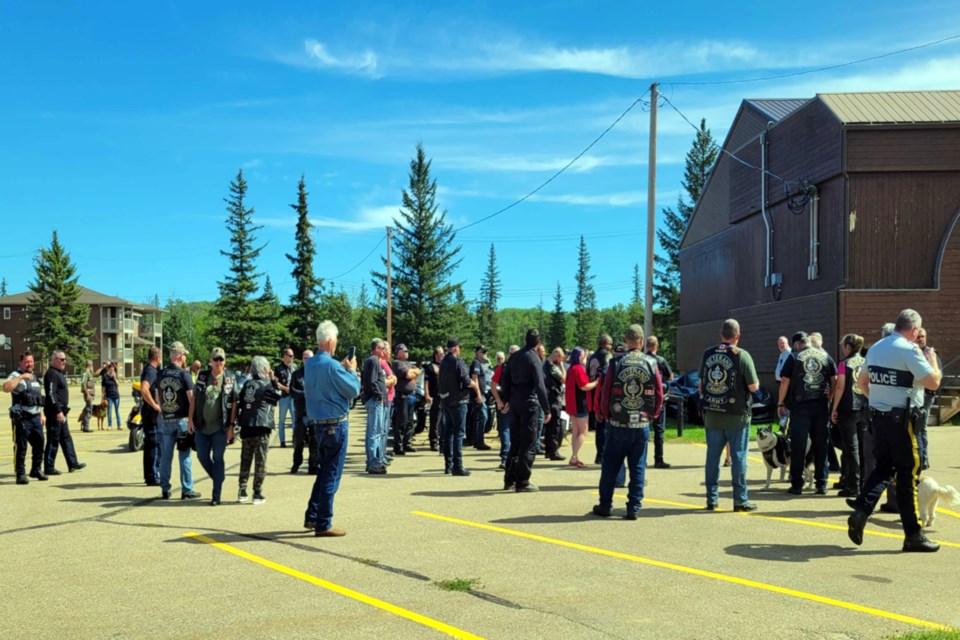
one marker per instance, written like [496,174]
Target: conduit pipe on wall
[813,269]
[767,218]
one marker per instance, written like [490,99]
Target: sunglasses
[218,359]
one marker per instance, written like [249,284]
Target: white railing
[128,355]
[110,325]
[151,329]
[129,326]
[112,355]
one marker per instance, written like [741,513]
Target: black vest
[723,389]
[852,399]
[451,390]
[256,408]
[31,395]
[808,381]
[174,404]
[204,378]
[632,392]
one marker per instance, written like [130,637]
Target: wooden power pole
[651,214]
[389,291]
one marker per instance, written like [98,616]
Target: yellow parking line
[344,591]
[690,570]
[809,523]
[947,512]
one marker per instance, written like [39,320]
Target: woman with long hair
[849,414]
[111,391]
[578,384]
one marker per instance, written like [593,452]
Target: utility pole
[389,291]
[651,213]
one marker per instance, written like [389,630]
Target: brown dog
[99,411]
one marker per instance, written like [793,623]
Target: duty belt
[327,421]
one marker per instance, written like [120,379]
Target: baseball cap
[452,342]
[217,353]
[401,347]
[178,346]
[482,348]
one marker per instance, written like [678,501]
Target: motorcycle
[135,441]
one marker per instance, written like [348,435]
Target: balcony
[111,355]
[149,329]
[129,326]
[110,325]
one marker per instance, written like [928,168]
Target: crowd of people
[873,401]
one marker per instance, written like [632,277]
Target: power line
[351,269]
[559,172]
[821,69]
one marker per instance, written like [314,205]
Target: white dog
[929,494]
[776,455]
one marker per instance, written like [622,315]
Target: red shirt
[576,398]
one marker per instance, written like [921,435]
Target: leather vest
[808,381]
[30,396]
[632,392]
[204,378]
[720,381]
[255,409]
[852,399]
[172,392]
[451,391]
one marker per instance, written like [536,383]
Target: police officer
[522,385]
[806,379]
[728,379]
[149,412]
[896,373]
[56,406]
[301,433]
[596,367]
[631,398]
[27,398]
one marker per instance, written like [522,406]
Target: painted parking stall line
[442,627]
[803,595]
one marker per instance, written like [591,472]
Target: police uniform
[894,365]
[151,432]
[726,374]
[852,425]
[27,399]
[631,398]
[57,401]
[811,372]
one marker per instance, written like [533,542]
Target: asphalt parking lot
[96,554]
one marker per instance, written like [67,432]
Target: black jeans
[302,438]
[29,430]
[435,417]
[401,423]
[523,445]
[809,420]
[553,432]
[849,425]
[601,429]
[151,452]
[58,435]
[895,450]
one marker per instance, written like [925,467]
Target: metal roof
[895,107]
[87,296]
[777,109]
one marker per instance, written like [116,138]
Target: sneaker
[189,495]
[258,498]
[746,506]
[603,512]
[242,497]
[377,471]
[920,543]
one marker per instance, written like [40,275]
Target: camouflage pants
[253,447]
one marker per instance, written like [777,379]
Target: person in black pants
[406,375]
[148,419]
[522,384]
[596,367]
[26,404]
[301,434]
[431,387]
[553,377]
[660,424]
[56,406]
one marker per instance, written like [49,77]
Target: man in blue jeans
[728,380]
[456,388]
[329,387]
[373,385]
[214,416]
[631,398]
[174,394]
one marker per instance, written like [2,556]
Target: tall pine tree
[425,308]
[304,308]
[57,320]
[271,311]
[557,334]
[364,322]
[699,163]
[587,326]
[637,293]
[487,326]
[240,329]
[3,287]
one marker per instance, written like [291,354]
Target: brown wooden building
[875,185]
[119,328]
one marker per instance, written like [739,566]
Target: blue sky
[122,124]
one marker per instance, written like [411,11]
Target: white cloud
[366,219]
[315,55]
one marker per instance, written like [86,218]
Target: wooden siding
[898,222]
[807,145]
[902,150]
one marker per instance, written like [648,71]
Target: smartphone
[351,353]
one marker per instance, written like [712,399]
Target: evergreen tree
[699,163]
[335,305]
[57,320]
[365,327]
[463,323]
[557,334]
[637,293]
[3,287]
[487,326]
[240,330]
[304,308]
[271,312]
[424,259]
[191,324]
[587,326]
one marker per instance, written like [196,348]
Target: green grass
[695,432]
[928,635]
[458,584]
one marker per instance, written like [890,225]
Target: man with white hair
[329,387]
[174,394]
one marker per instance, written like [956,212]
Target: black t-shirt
[110,388]
[405,386]
[431,377]
[665,372]
[148,375]
[283,374]
[476,369]
[57,395]
[172,386]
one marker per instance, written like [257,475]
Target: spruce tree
[699,163]
[240,328]
[3,287]
[271,312]
[637,293]
[587,325]
[424,258]
[303,312]
[364,323]
[487,324]
[57,319]
[557,334]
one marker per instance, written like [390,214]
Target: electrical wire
[820,69]
[560,171]
[365,258]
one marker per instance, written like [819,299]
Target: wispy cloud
[366,219]
[316,55]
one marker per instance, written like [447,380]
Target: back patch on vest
[721,375]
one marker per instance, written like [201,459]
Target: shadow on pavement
[797,553]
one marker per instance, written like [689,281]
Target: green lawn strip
[928,635]
[695,433]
